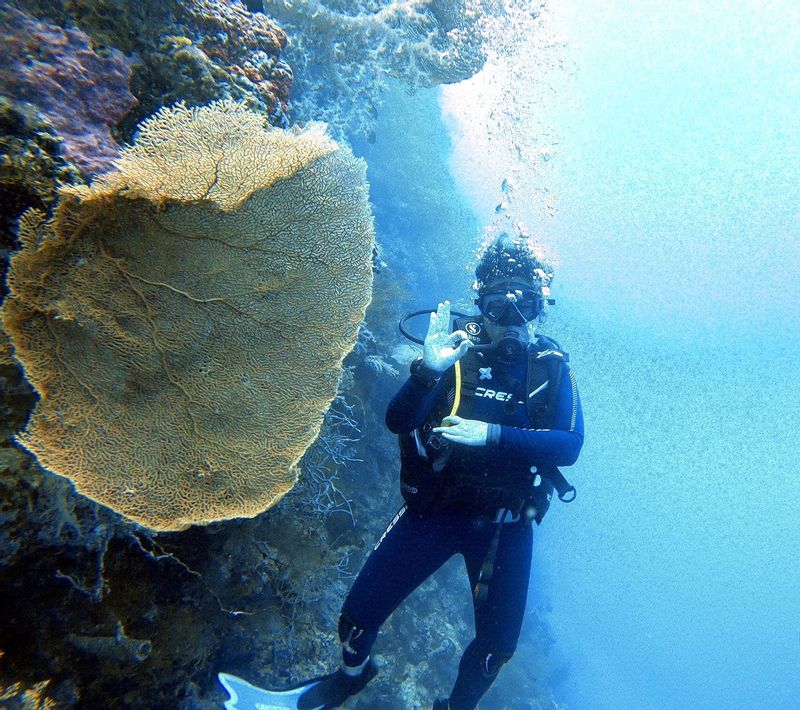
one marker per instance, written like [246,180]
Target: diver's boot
[332,690]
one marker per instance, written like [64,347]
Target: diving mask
[510,304]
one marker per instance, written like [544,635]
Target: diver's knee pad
[356,642]
[493,661]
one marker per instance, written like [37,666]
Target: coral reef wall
[185,317]
[192,50]
[81,93]
[103,612]
[343,53]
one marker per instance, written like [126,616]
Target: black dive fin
[322,693]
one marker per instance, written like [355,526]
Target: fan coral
[80,92]
[184,318]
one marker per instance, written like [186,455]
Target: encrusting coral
[81,93]
[196,51]
[184,318]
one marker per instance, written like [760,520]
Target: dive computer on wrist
[424,375]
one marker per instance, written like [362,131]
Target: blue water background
[673,580]
[677,576]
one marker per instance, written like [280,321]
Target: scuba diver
[487,415]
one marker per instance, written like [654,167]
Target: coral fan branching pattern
[184,318]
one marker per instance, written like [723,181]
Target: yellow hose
[457,400]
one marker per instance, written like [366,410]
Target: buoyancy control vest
[436,473]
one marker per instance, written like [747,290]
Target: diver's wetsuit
[416,544]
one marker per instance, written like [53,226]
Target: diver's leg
[499,618]
[410,550]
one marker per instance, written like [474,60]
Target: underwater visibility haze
[652,149]
[677,187]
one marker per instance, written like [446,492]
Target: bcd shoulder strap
[545,370]
[545,366]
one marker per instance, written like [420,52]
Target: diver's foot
[331,691]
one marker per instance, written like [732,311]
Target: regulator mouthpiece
[508,349]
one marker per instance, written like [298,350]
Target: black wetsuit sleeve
[413,403]
[559,445]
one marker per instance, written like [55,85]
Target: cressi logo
[493,394]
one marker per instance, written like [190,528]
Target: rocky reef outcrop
[195,51]
[81,93]
[345,53]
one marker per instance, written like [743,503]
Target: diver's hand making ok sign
[443,348]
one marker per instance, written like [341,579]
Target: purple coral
[80,92]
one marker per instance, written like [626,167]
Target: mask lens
[493,304]
[519,302]
[529,304]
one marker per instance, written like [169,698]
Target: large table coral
[343,52]
[184,318]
